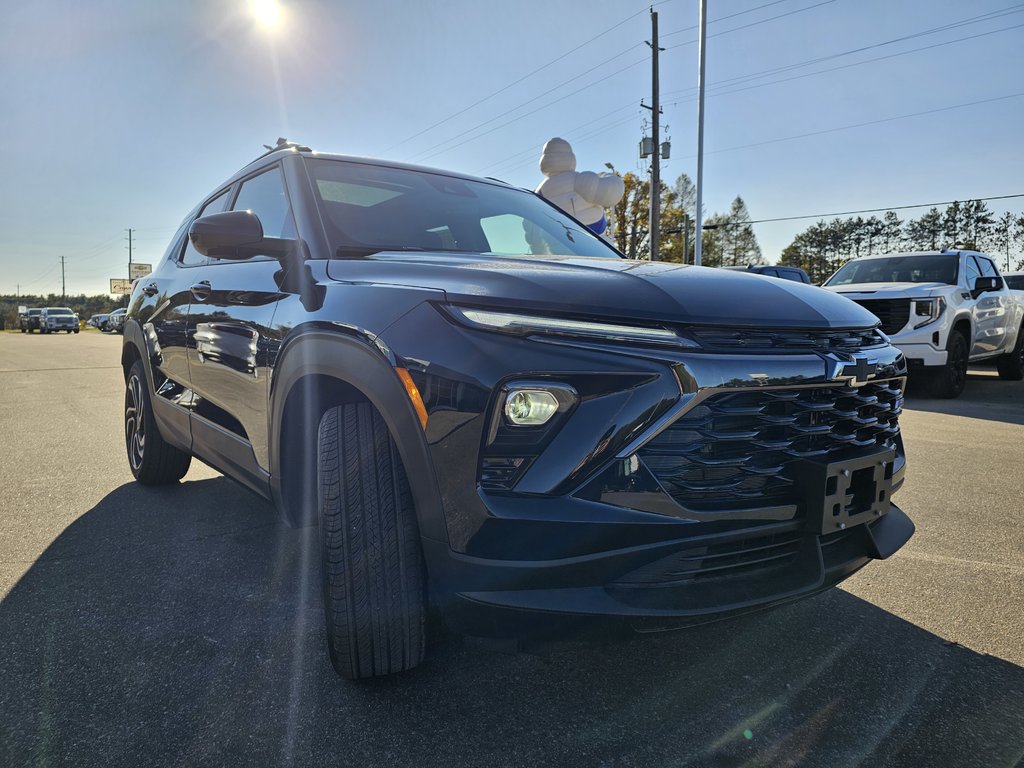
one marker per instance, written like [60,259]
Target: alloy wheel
[134,422]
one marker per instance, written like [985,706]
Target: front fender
[367,366]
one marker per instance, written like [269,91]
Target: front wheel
[1011,365]
[153,461]
[951,378]
[373,573]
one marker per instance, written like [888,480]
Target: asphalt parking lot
[182,626]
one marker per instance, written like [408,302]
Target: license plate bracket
[847,492]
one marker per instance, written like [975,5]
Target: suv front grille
[785,340]
[894,313]
[732,450]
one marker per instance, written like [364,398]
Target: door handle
[201,290]
[151,290]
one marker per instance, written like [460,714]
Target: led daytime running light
[525,324]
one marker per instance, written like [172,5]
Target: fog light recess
[530,407]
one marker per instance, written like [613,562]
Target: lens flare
[266,12]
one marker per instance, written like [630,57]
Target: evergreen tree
[892,232]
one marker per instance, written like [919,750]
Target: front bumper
[566,532]
[640,589]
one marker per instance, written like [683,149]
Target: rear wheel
[373,574]
[950,380]
[153,461]
[1011,365]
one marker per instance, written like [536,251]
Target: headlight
[930,309]
[528,325]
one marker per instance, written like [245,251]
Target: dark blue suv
[488,411]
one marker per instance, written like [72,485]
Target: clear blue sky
[124,113]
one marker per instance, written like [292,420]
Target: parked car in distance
[943,309]
[488,409]
[115,321]
[28,320]
[97,320]
[53,319]
[771,270]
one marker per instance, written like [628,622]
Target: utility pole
[655,127]
[63,289]
[699,213]
[130,253]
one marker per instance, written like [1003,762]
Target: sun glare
[266,12]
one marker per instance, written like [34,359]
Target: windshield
[926,268]
[59,311]
[370,208]
[35,311]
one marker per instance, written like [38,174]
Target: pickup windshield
[369,208]
[925,268]
[59,311]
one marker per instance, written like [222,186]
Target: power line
[517,81]
[756,23]
[864,124]
[942,44]
[729,82]
[740,79]
[875,210]
[429,152]
[723,18]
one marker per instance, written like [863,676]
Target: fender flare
[366,368]
[969,318]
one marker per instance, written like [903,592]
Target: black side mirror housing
[984,284]
[236,235]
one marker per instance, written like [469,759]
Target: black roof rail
[283,143]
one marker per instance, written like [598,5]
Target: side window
[190,257]
[988,269]
[264,195]
[973,272]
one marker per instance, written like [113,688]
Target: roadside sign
[120,286]
[139,270]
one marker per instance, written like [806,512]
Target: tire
[1011,365]
[75,331]
[373,573]
[152,460]
[22,330]
[950,379]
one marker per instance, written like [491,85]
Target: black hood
[611,288]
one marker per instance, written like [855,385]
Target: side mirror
[984,284]
[235,235]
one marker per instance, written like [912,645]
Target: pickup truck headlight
[529,325]
[928,309]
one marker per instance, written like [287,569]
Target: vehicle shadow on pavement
[985,397]
[183,626]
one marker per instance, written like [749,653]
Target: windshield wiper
[362,251]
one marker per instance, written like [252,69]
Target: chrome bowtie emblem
[857,369]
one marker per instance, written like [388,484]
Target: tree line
[728,238]
[825,246]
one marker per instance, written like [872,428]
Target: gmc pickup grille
[732,451]
[894,313]
[785,340]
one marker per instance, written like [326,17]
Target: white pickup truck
[943,309]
